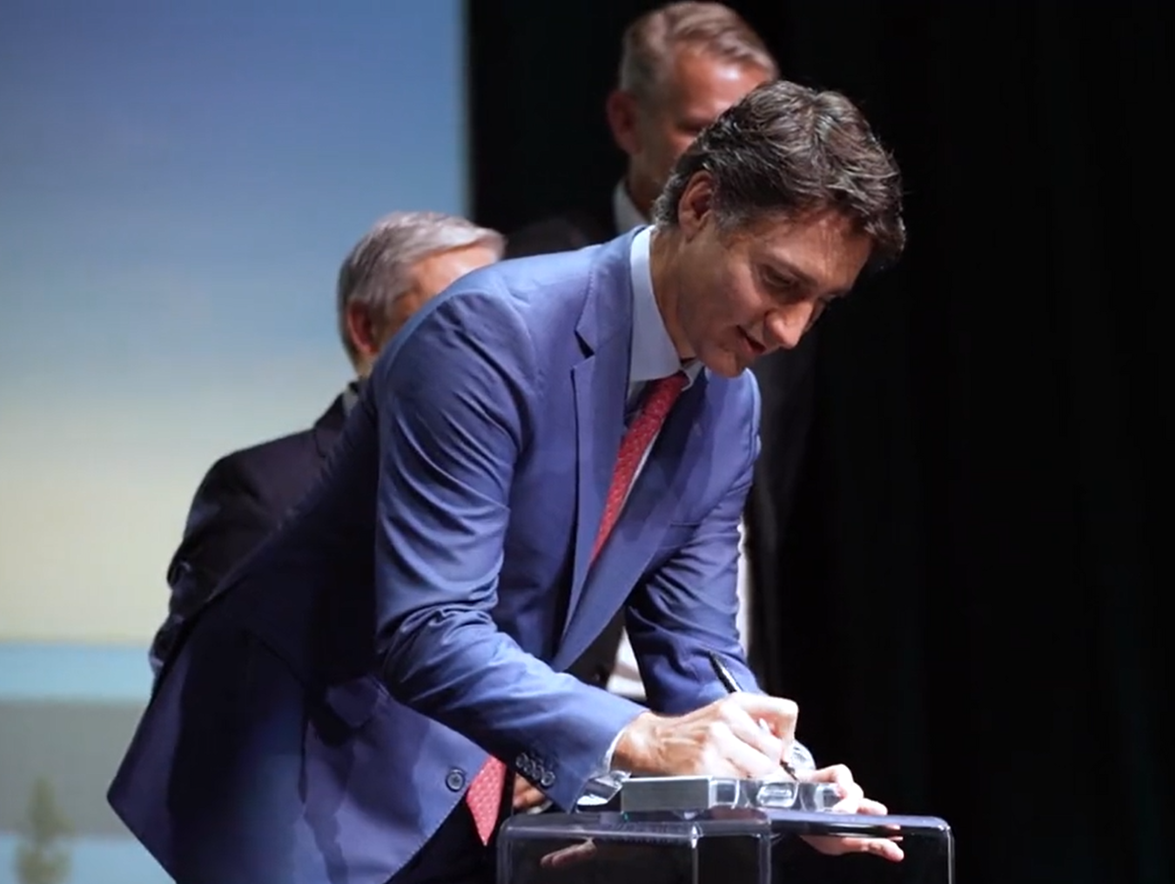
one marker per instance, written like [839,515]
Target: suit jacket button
[547,780]
[455,780]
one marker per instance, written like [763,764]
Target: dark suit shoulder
[248,491]
[241,499]
[558,233]
[259,468]
[268,470]
[244,496]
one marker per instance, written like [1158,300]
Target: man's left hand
[852,800]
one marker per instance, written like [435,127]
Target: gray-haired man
[404,259]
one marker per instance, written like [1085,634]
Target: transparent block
[734,845]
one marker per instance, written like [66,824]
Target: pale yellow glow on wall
[93,496]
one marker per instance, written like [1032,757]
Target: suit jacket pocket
[348,705]
[340,702]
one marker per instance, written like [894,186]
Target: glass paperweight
[694,794]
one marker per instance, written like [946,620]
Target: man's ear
[622,111]
[695,206]
[363,332]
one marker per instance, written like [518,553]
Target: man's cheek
[679,144]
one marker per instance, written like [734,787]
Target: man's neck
[662,245]
[625,214]
[642,198]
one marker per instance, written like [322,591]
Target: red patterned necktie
[658,399]
[485,792]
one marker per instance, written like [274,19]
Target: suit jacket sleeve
[465,383]
[226,522]
[687,607]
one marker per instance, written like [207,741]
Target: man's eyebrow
[786,266]
[783,265]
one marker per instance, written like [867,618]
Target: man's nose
[786,325]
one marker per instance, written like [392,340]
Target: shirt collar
[653,354]
[625,214]
[350,396]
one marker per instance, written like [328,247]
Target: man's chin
[724,363]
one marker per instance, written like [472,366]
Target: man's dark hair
[788,150]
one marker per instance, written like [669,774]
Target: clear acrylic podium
[718,846]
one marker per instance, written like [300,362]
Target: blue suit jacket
[327,712]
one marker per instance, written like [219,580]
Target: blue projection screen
[178,184]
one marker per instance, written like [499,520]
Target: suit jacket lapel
[644,520]
[600,383]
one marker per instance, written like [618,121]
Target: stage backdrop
[178,184]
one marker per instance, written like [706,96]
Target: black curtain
[976,569]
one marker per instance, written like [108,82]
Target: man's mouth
[755,347]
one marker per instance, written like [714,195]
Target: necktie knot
[660,396]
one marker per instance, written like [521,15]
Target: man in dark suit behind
[681,66]
[246,493]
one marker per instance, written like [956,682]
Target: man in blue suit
[337,712]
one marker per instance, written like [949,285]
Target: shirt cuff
[604,782]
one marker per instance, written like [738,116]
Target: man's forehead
[706,82]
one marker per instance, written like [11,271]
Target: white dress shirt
[654,356]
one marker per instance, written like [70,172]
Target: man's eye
[779,283]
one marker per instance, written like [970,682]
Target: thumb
[780,714]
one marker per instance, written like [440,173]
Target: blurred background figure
[681,66]
[402,262]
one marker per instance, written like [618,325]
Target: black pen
[731,685]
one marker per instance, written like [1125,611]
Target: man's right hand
[721,739]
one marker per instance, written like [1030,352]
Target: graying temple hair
[651,42]
[378,271]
